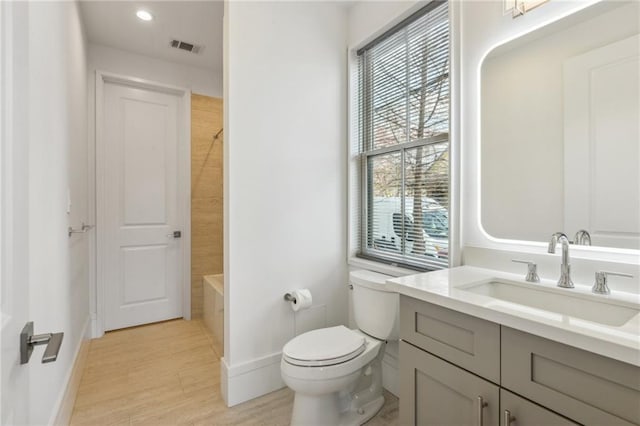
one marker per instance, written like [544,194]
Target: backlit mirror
[560,130]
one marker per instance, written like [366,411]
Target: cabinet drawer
[469,342]
[571,381]
[434,392]
[526,413]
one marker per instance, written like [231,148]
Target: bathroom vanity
[485,347]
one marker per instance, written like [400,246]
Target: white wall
[285,194]
[368,19]
[523,125]
[200,80]
[58,265]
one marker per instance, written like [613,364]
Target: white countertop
[446,288]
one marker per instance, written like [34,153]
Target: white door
[14,271]
[602,144]
[138,207]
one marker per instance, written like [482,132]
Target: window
[403,146]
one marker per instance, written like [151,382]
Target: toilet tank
[376,309]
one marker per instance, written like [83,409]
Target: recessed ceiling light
[144,15]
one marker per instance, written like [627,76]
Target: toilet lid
[326,346]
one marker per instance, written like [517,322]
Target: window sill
[383,268]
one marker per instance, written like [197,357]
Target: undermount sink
[551,302]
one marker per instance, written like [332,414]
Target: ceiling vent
[183,45]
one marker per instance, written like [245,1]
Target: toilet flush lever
[28,340]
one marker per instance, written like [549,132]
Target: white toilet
[336,372]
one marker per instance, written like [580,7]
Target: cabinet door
[522,412]
[434,392]
[578,384]
[470,342]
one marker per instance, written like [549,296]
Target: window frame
[364,249]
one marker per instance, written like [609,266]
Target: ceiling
[114,24]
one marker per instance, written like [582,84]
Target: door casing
[15,122]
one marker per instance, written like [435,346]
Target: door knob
[28,340]
[175,234]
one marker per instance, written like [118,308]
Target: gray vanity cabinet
[450,362]
[435,392]
[589,388]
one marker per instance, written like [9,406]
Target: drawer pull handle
[508,418]
[481,405]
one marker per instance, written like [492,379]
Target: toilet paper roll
[302,299]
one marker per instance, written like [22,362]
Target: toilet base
[350,407]
[313,410]
[364,414]
[323,411]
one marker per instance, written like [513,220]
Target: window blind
[403,142]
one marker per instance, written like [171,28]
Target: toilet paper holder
[289,298]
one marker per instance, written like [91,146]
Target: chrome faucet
[565,268]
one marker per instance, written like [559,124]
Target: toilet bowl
[335,372]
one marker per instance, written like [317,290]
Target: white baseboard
[251,379]
[261,376]
[96,330]
[62,415]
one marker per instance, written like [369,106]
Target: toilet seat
[324,347]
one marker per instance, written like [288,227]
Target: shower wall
[206,194]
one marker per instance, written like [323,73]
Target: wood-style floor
[169,374]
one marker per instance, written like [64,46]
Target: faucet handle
[532,270]
[600,286]
[582,238]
